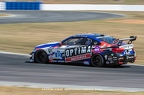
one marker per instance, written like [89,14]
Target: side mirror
[59,44]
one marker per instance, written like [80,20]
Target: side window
[74,41]
[88,41]
[95,42]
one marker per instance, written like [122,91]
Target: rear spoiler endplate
[131,39]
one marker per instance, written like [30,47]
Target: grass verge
[2,15]
[23,37]
[133,2]
[141,2]
[39,91]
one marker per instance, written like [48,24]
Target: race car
[89,49]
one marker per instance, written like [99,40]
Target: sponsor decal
[107,62]
[50,50]
[77,53]
[131,57]
[111,61]
[115,58]
[86,62]
[61,61]
[128,51]
[50,57]
[96,49]
[121,58]
[110,58]
[55,55]
[106,57]
[129,46]
[127,57]
[78,57]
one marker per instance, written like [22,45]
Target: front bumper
[32,57]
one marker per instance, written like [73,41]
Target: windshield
[108,39]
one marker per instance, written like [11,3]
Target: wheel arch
[40,50]
[102,59]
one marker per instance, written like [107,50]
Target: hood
[52,44]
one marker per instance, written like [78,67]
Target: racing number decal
[77,53]
[58,55]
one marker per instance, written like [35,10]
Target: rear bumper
[126,59]
[118,59]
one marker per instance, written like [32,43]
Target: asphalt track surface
[14,68]
[52,16]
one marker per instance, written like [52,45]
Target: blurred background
[27,23]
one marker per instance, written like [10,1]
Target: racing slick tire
[97,61]
[41,56]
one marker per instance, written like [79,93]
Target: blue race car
[89,49]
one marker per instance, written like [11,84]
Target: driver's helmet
[88,42]
[95,43]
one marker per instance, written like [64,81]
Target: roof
[89,35]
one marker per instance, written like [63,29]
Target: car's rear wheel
[41,56]
[97,60]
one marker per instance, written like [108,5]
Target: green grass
[22,38]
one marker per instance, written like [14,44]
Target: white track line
[9,15]
[14,53]
[135,64]
[68,87]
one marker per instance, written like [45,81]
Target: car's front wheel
[41,56]
[97,60]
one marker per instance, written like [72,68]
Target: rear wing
[130,40]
